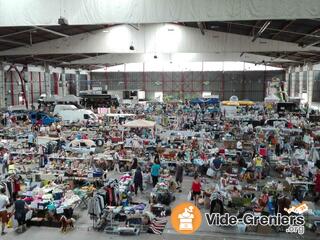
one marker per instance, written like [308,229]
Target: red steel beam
[23,89]
[55,83]
[12,88]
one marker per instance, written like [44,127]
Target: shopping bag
[29,215]
[15,224]
[10,223]
[190,198]
[210,172]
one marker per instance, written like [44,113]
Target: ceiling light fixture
[63,21]
[262,29]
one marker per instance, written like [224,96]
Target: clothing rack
[94,219]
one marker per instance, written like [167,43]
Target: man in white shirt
[239,146]
[4,202]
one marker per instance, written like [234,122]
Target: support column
[182,80]
[31,88]
[288,83]
[89,81]
[47,80]
[12,88]
[56,79]
[293,83]
[310,75]
[77,83]
[27,86]
[264,82]
[202,80]
[300,82]
[125,77]
[222,86]
[40,84]
[2,86]
[63,80]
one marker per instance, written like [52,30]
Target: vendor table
[297,182]
[293,183]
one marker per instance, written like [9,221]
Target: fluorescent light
[264,27]
[105,31]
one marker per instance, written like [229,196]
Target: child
[196,189]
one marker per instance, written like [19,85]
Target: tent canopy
[140,123]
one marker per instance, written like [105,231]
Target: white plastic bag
[210,172]
[190,196]
[29,215]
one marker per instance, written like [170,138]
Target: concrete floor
[205,232]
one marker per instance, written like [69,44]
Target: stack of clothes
[162,194]
[157,225]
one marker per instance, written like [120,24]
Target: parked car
[80,146]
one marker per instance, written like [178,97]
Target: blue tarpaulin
[204,100]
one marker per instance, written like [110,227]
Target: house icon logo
[186,218]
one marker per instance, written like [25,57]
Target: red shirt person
[196,189]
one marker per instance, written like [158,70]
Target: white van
[76,115]
[60,107]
